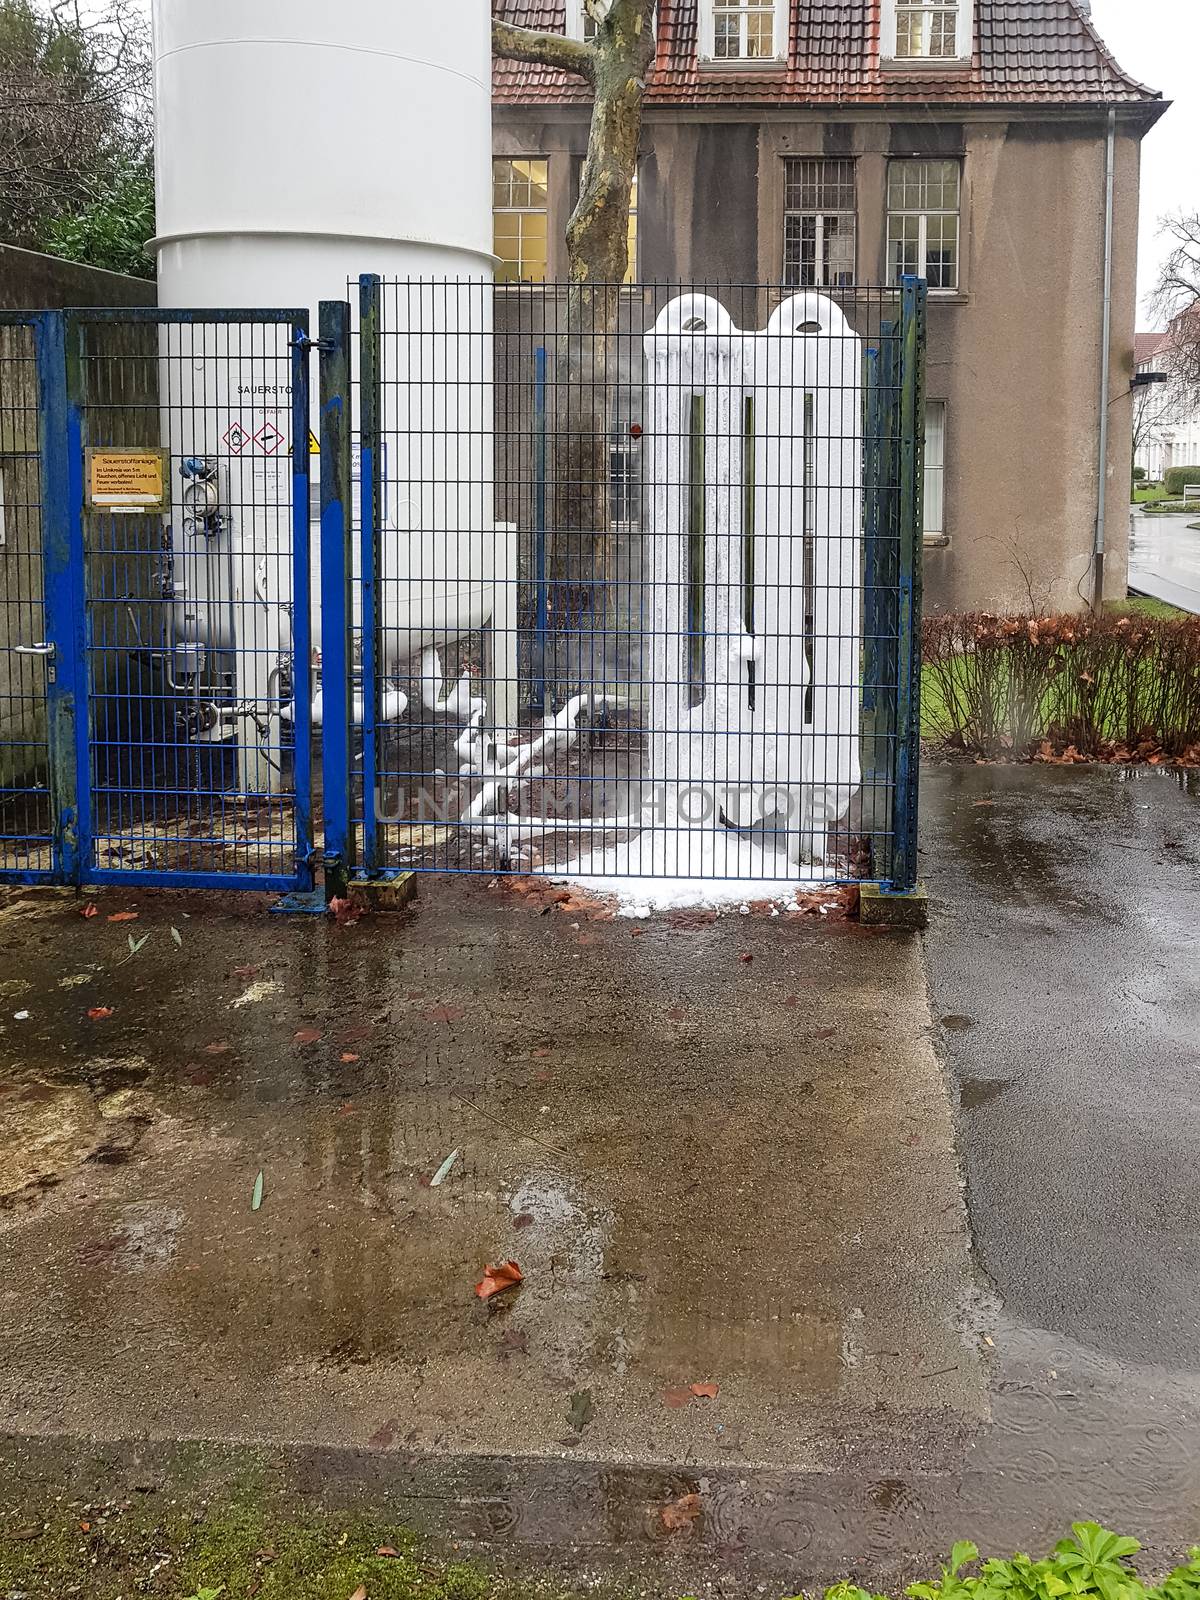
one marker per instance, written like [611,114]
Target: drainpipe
[1098,547]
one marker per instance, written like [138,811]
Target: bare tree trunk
[616,65]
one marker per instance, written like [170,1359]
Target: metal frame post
[62,567]
[370,388]
[539,703]
[302,639]
[913,299]
[337,613]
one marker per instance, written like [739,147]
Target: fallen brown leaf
[387,1550]
[348,1056]
[99,1013]
[218,1048]
[89,910]
[496,1279]
[680,1516]
[245,972]
[360,1593]
[706,1391]
[675,1398]
[124,916]
[306,1036]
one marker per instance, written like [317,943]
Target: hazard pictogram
[237,438]
[268,439]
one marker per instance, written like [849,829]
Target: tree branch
[543,49]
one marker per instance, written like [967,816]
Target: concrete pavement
[710,1168]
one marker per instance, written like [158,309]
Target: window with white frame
[582,22]
[742,30]
[935,469]
[818,223]
[926,30]
[923,221]
[520,188]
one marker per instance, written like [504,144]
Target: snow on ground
[672,869]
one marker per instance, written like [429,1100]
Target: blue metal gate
[164,654]
[516,735]
[155,608]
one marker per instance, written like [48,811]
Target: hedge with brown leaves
[1074,688]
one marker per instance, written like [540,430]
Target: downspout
[1099,544]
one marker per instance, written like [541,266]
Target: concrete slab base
[882,908]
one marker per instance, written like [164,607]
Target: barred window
[520,188]
[922,221]
[818,223]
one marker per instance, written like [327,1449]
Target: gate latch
[304,344]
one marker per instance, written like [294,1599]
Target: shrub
[1139,474]
[1104,687]
[1176,479]
[1093,1562]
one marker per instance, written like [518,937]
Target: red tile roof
[1027,52]
[1147,345]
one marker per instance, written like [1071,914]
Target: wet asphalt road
[1064,962]
[1164,558]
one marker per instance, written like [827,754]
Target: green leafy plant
[1093,1562]
[207,1594]
[1176,479]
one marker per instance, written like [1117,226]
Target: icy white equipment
[299,145]
[754,698]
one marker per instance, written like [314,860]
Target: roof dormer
[917,32]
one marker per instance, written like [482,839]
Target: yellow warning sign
[314,444]
[128,479]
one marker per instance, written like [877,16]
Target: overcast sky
[1158,41]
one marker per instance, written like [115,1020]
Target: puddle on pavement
[355,1262]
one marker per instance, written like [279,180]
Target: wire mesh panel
[194,439]
[26,811]
[636,580]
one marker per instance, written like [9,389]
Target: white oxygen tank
[300,144]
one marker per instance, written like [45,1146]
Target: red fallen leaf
[86,1526]
[444,1014]
[245,972]
[676,1398]
[706,1391]
[496,1280]
[89,910]
[745,956]
[348,1056]
[306,1036]
[347,1108]
[637,933]
[680,1516]
[124,916]
[387,1550]
[344,912]
[99,1013]
[219,1048]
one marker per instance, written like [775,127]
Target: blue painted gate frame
[58,346]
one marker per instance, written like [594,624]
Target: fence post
[63,584]
[337,687]
[908,588]
[539,704]
[302,640]
[370,380]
